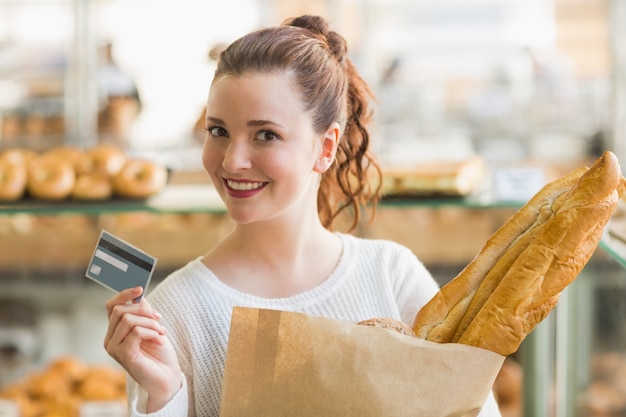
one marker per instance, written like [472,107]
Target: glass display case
[35,61]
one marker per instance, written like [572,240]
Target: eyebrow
[251,123]
[215,120]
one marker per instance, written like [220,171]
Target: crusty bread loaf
[516,278]
[439,320]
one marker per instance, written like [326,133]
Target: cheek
[291,168]
[285,160]
[210,158]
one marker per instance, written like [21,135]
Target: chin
[240,217]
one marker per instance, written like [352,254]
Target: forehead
[266,89]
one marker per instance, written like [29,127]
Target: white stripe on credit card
[111,260]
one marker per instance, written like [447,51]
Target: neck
[275,260]
[279,243]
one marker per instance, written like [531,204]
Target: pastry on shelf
[443,178]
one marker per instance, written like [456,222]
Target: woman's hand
[137,340]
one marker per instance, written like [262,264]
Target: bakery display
[445,178]
[63,386]
[62,173]
[605,395]
[516,278]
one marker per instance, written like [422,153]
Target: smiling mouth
[244,185]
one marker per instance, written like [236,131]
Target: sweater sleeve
[490,408]
[138,398]
[181,403]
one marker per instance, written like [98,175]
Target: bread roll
[516,278]
[66,153]
[92,186]
[390,324]
[139,178]
[13,179]
[50,179]
[20,156]
[102,158]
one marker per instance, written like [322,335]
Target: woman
[287,149]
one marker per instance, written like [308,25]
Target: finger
[128,315]
[123,302]
[119,311]
[125,349]
[130,324]
[123,297]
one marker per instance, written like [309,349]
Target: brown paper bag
[291,364]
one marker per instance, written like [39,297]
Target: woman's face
[261,151]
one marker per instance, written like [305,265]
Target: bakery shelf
[173,199]
[614,236]
[615,248]
[477,200]
[202,198]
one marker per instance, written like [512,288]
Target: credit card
[117,264]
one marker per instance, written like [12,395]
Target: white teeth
[244,186]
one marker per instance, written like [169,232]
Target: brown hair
[333,90]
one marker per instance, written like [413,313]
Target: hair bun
[320,28]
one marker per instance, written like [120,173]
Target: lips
[243,188]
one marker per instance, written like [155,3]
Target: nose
[237,156]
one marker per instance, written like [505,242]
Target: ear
[326,156]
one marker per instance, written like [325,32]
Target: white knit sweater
[374,278]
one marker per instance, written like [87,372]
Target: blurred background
[509,79]
[531,88]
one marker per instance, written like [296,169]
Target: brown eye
[267,136]
[217,131]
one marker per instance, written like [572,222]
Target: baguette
[439,319]
[516,278]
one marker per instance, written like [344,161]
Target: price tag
[517,183]
[103,409]
[9,409]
